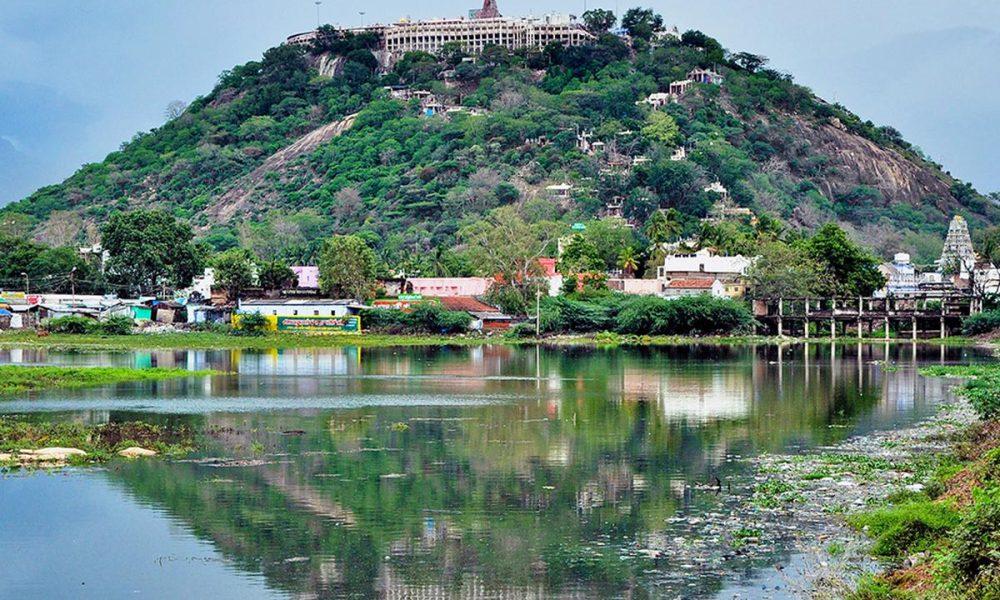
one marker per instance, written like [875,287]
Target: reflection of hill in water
[567,490]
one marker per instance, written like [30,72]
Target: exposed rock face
[857,161]
[47,455]
[254,186]
[136,452]
[330,66]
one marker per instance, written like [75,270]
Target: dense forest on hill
[307,142]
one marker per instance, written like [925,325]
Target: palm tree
[628,260]
[664,225]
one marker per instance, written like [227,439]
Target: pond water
[430,472]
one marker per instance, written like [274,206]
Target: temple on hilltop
[484,27]
[488,11]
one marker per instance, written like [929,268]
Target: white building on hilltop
[484,27]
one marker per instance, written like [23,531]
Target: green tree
[275,275]
[989,244]
[235,270]
[851,270]
[748,62]
[149,250]
[347,268]
[785,271]
[628,260]
[580,256]
[599,20]
[609,237]
[505,246]
[664,226]
[642,23]
[662,128]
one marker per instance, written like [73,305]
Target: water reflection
[489,471]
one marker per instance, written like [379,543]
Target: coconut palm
[628,260]
[664,225]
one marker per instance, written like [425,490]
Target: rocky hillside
[314,142]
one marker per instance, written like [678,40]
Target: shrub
[72,325]
[608,338]
[643,315]
[426,317]
[705,315]
[875,588]
[562,315]
[983,393]
[984,322]
[906,528]
[522,331]
[119,325]
[251,324]
[975,559]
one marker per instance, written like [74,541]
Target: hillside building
[484,27]
[730,271]
[679,288]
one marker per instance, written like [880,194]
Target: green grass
[982,389]
[906,528]
[17,379]
[100,442]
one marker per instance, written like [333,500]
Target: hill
[311,141]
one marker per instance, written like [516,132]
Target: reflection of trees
[507,496]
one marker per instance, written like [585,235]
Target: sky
[79,77]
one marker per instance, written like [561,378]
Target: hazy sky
[78,77]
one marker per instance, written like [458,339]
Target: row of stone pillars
[860,321]
[860,327]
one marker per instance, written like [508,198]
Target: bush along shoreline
[19,379]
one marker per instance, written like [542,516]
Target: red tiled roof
[548,266]
[691,284]
[466,303]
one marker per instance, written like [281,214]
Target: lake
[439,472]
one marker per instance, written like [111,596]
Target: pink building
[308,276]
[448,286]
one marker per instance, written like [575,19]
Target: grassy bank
[943,540]
[16,379]
[221,341]
[99,442]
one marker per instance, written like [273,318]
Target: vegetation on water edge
[985,322]
[16,379]
[944,540]
[982,389]
[282,341]
[100,442]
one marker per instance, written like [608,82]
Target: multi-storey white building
[484,28]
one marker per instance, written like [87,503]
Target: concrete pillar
[914,319]
[781,314]
[943,334]
[805,327]
[833,328]
[887,328]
